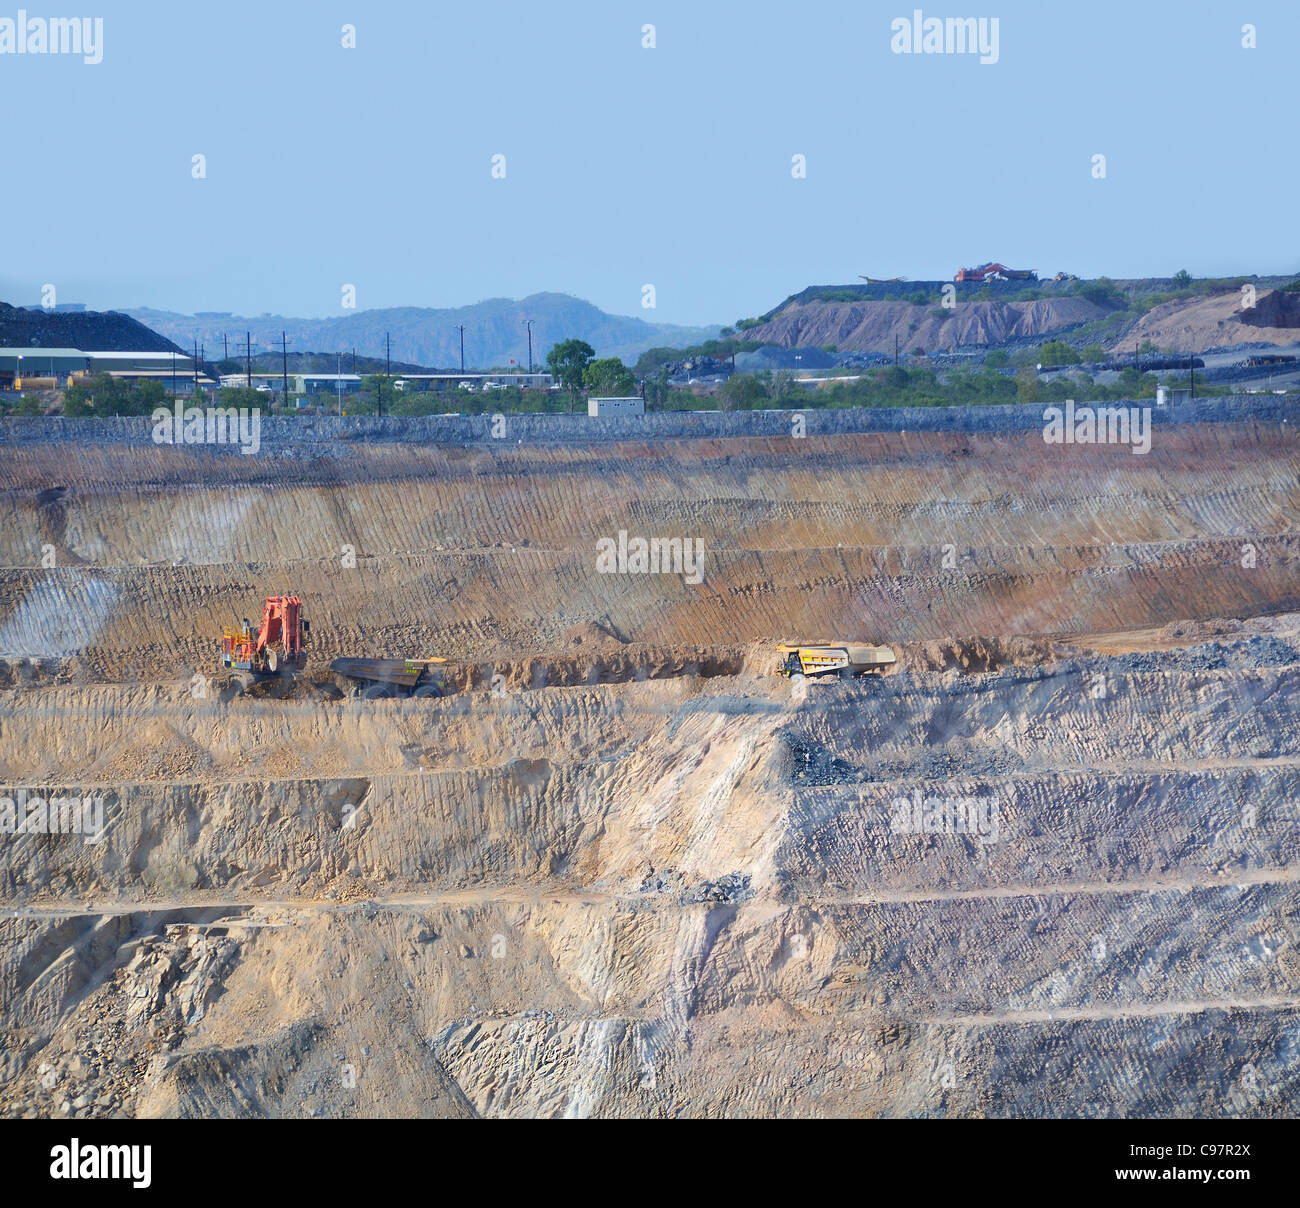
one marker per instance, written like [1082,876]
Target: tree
[76,401]
[608,378]
[741,392]
[1028,389]
[1182,278]
[568,362]
[1057,352]
[997,358]
[150,395]
[228,365]
[1093,353]
[896,377]
[782,383]
[110,396]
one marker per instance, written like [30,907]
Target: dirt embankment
[874,326]
[639,874]
[1218,321]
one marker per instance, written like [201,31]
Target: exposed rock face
[874,326]
[1276,309]
[1216,321]
[1047,865]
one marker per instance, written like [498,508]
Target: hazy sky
[627,166]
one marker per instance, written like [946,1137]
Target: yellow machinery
[844,659]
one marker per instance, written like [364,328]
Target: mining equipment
[845,659]
[276,646]
[374,678]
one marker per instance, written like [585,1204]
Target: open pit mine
[1043,860]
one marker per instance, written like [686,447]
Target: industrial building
[63,366]
[630,405]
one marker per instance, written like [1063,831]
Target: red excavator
[277,645]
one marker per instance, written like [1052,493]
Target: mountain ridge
[495,334]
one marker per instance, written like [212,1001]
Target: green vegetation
[997,359]
[568,362]
[27,405]
[608,378]
[1092,353]
[941,313]
[1057,352]
[1101,292]
[103,396]
[653,359]
[742,392]
[77,401]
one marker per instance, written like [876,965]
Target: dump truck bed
[403,672]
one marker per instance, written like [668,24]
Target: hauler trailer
[390,677]
[845,659]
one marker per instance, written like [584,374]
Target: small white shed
[632,405]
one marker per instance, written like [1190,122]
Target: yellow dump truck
[845,659]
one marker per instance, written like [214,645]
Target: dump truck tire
[425,690]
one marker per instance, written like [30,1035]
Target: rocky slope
[874,326]
[639,874]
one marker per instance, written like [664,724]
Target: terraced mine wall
[624,869]
[569,429]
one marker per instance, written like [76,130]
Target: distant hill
[90,331]
[494,331]
[874,326]
[1186,315]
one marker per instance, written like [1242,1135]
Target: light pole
[528,323]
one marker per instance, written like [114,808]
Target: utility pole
[225,347]
[529,324]
[173,373]
[195,366]
[461,328]
[284,370]
[248,362]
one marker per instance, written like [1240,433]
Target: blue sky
[626,166]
